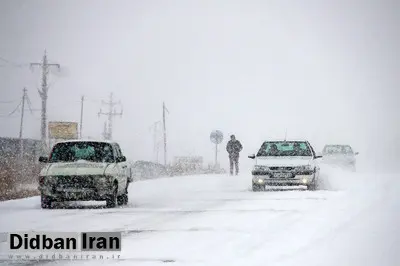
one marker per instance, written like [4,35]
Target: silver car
[340,155]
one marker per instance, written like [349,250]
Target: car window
[116,151]
[119,151]
[347,150]
[284,148]
[338,149]
[89,151]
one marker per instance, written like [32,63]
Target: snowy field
[216,220]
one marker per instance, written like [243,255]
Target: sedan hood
[75,168]
[283,161]
[339,158]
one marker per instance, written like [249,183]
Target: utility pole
[155,139]
[111,113]
[105,130]
[80,127]
[165,134]
[43,93]
[25,97]
[22,123]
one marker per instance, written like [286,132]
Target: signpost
[216,137]
[63,130]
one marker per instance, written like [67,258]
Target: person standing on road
[234,147]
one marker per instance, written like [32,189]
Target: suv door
[119,171]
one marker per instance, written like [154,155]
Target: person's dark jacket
[234,147]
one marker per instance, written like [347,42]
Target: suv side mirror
[43,159]
[121,159]
[356,153]
[252,156]
[318,155]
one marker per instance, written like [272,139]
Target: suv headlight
[104,179]
[304,168]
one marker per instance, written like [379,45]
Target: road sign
[63,130]
[216,137]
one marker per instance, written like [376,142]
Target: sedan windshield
[338,149]
[89,151]
[283,148]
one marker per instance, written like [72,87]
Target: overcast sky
[326,71]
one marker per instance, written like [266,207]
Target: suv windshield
[89,151]
[338,149]
[284,148]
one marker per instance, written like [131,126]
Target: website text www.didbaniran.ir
[59,256]
[60,246]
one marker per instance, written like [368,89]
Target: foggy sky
[326,71]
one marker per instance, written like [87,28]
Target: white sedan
[285,163]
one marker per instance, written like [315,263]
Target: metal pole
[155,141]
[44,97]
[110,116]
[43,93]
[22,123]
[49,140]
[157,152]
[80,129]
[216,155]
[165,137]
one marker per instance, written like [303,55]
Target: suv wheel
[45,201]
[123,199]
[111,200]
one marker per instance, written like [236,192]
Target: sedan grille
[282,168]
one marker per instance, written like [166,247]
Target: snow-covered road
[217,220]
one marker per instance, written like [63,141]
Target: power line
[16,109]
[27,99]
[12,63]
[111,113]
[4,60]
[29,104]
[9,101]
[8,116]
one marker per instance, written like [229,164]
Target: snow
[217,220]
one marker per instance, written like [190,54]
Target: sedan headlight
[261,167]
[304,168]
